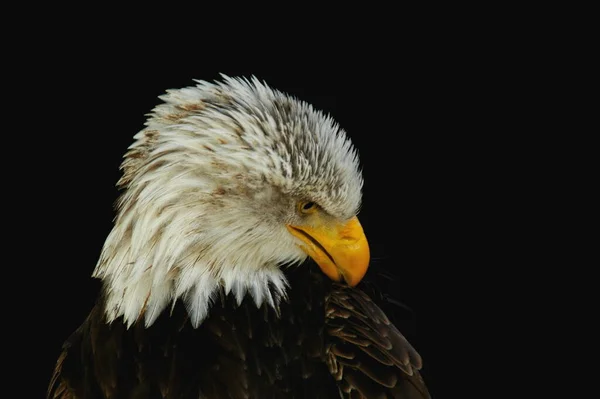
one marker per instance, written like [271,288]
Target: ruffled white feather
[209,186]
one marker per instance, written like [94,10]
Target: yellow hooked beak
[340,250]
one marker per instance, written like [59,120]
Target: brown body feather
[329,341]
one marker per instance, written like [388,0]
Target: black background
[425,111]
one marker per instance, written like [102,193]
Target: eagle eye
[307,207]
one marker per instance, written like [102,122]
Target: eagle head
[227,183]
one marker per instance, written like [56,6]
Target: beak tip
[354,279]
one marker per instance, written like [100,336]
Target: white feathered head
[227,183]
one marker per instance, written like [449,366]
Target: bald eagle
[232,265]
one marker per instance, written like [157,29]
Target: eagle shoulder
[365,352]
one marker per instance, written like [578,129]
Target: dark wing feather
[366,353]
[240,351]
[58,389]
